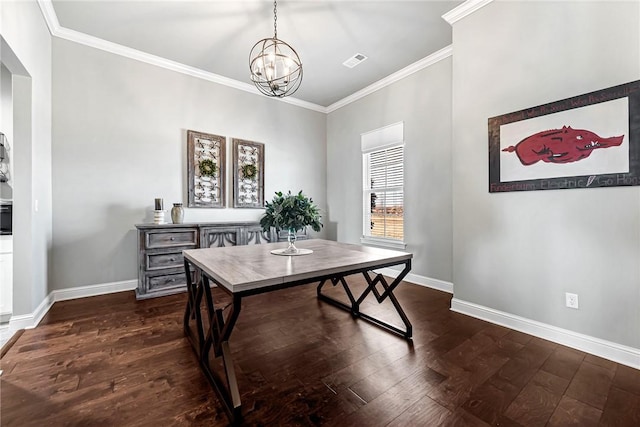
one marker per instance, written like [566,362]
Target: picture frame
[206,170]
[248,174]
[587,141]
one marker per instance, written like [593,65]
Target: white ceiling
[216,36]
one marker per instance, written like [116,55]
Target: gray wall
[520,252]
[119,139]
[26,53]
[423,102]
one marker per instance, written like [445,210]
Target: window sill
[383,243]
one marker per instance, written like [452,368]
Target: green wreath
[249,171]
[207,167]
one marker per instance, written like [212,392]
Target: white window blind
[383,194]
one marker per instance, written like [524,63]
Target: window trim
[383,242]
[384,138]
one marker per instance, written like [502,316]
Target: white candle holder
[158,217]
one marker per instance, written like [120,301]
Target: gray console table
[160,246]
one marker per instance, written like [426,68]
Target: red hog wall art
[586,141]
[564,145]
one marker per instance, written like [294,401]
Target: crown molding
[56,30]
[49,14]
[392,78]
[465,9]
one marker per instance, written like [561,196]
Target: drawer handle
[172,259]
[172,238]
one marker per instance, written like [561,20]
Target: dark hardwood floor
[114,361]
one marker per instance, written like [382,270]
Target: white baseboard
[619,353]
[437,284]
[94,290]
[30,321]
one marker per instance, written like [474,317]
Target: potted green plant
[291,212]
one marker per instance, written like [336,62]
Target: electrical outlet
[571,300]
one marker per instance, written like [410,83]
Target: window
[383,186]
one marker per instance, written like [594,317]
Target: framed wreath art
[205,170]
[248,174]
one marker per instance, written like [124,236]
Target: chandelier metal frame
[276,69]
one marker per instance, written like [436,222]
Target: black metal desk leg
[192,312]
[353,308]
[387,292]
[215,339]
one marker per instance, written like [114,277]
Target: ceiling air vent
[354,60]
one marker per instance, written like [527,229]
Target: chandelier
[275,67]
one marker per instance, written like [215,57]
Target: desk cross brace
[354,308]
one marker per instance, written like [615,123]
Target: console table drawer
[160,246]
[164,260]
[167,239]
[166,281]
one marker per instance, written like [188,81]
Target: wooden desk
[242,271]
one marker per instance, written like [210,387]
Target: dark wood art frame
[248,192]
[630,90]
[206,191]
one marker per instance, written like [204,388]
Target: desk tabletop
[244,268]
